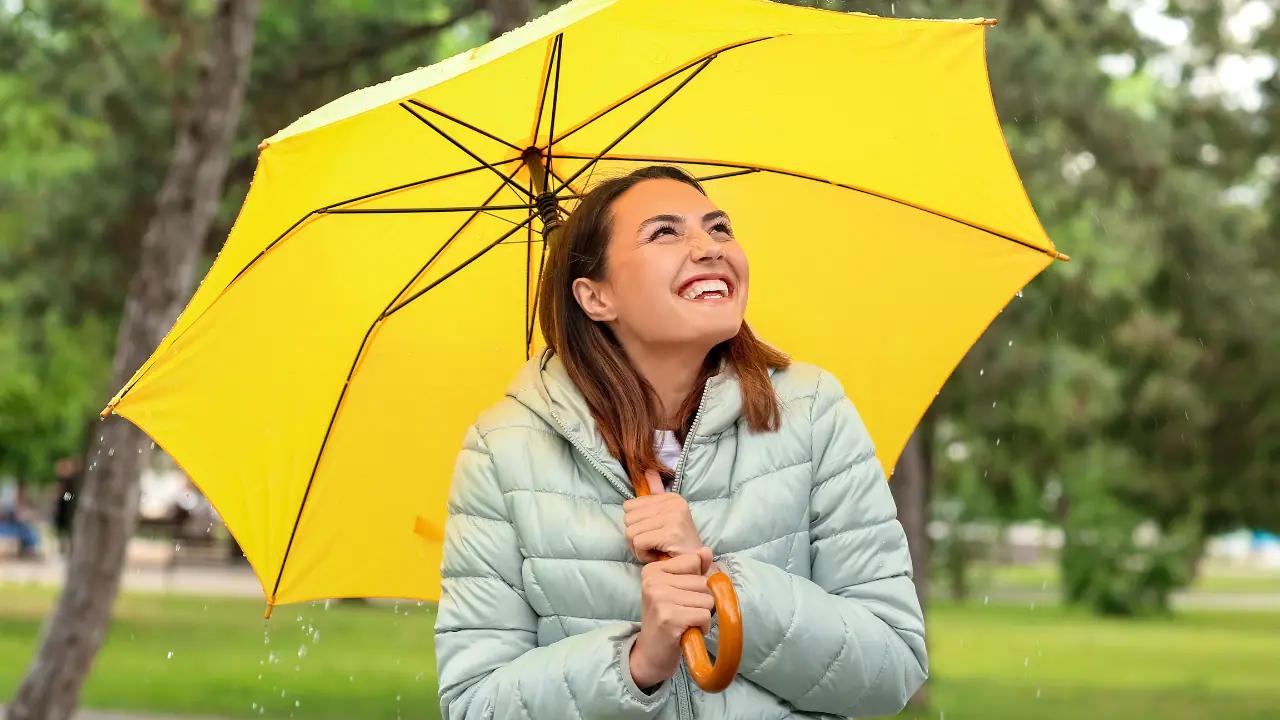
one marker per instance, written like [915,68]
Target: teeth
[698,287]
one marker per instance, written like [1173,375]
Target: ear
[594,300]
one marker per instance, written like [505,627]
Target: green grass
[1017,662]
[989,661]
[369,661]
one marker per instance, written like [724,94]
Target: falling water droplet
[112,451]
[982,371]
[169,656]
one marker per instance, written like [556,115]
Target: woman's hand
[673,597]
[659,523]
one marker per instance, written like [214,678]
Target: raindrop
[993,403]
[266,638]
[66,496]
[169,656]
[1033,605]
[997,442]
[1010,343]
[297,703]
[1037,693]
[153,444]
[986,599]
[1019,293]
[1026,662]
[112,451]
[982,371]
[326,604]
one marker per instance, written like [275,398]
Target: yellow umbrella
[376,291]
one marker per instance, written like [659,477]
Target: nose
[705,247]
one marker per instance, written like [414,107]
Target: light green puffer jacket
[541,595]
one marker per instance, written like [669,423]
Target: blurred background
[1092,500]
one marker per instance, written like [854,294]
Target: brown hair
[623,403]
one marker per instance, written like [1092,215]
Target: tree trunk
[911,481]
[106,513]
[508,15]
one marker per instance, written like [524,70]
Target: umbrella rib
[465,263]
[465,124]
[702,66]
[415,183]
[461,147]
[325,210]
[355,362]
[528,265]
[813,178]
[409,210]
[543,82]
[636,93]
[555,99]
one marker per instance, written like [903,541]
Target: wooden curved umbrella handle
[716,677]
[711,677]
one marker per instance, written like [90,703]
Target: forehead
[659,196]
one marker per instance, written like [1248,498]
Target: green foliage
[90,93]
[1141,381]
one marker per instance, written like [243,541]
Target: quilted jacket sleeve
[488,658]
[849,641]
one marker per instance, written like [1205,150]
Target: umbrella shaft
[544,199]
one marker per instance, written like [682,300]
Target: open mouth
[707,290]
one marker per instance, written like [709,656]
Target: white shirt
[667,447]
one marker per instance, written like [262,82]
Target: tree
[106,515]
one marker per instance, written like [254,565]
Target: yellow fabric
[894,230]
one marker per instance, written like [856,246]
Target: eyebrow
[713,215]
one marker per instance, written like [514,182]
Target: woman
[553,605]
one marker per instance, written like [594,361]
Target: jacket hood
[543,385]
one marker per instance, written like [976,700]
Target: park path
[147,569]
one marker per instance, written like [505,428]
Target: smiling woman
[563,589]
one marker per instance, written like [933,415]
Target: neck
[672,371]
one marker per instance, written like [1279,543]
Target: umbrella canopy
[377,289]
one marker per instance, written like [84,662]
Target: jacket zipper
[683,692]
[626,491]
[684,452]
[684,700]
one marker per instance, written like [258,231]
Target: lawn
[212,656]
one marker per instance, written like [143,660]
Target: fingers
[695,564]
[637,509]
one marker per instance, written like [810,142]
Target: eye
[723,227]
[658,232]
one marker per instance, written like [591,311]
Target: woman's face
[671,257]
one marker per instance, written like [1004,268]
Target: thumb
[655,482]
[704,555]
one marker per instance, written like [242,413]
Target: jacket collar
[544,386]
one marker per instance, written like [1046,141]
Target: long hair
[624,404]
